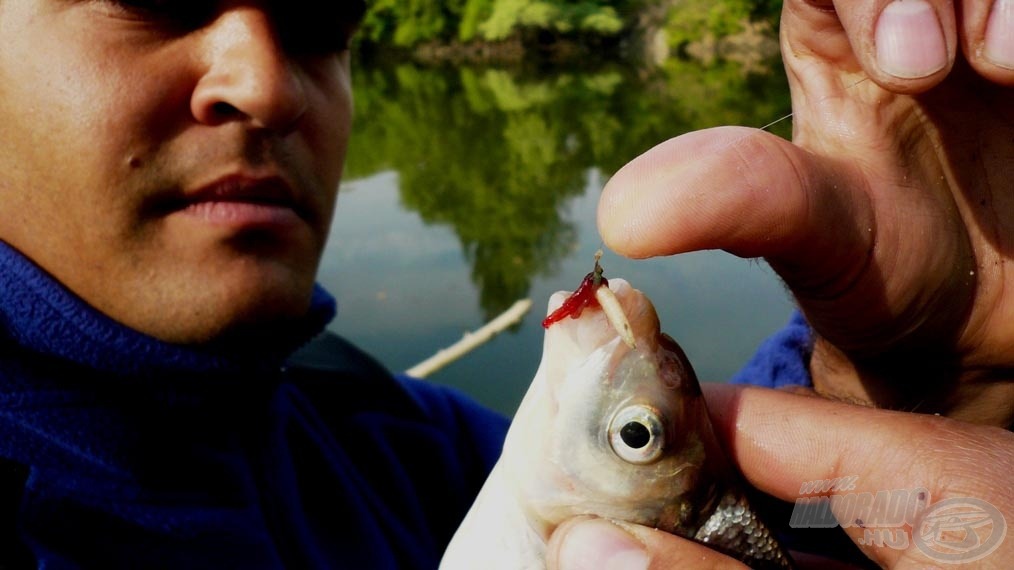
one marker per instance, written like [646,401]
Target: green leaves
[510,16]
[406,23]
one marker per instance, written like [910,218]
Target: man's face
[175,164]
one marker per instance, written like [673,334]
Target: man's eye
[305,27]
[308,28]
[177,13]
[332,40]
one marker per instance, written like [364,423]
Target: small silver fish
[615,429]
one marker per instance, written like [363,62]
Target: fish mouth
[611,298]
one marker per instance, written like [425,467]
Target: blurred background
[484,133]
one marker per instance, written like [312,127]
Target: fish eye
[637,434]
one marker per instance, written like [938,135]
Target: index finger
[782,439]
[782,442]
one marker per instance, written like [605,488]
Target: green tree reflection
[495,155]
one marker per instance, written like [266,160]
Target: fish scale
[735,529]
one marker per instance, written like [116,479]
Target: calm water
[467,189]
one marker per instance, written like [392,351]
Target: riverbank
[754,47]
[641,34]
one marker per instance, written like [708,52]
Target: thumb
[784,441]
[743,190]
[586,543]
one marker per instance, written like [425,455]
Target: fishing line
[847,88]
[789,116]
[775,122]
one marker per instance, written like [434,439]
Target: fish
[613,425]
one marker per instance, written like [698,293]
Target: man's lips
[245,214]
[244,201]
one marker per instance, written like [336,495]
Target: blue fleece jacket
[783,359]
[121,451]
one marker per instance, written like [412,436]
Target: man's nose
[247,74]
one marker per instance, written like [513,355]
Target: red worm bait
[583,297]
[594,291]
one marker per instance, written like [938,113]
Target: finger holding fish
[781,440]
[585,543]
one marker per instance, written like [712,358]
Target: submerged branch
[471,340]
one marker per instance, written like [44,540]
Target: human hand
[781,440]
[890,215]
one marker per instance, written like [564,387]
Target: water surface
[467,189]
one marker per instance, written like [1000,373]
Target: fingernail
[999,48]
[600,545]
[910,42]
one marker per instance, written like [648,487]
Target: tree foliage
[689,20]
[405,23]
[588,16]
[496,155]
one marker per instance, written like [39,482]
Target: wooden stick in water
[471,340]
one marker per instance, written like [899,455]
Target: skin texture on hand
[782,440]
[890,215]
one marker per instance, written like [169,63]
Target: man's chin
[254,313]
[257,300]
